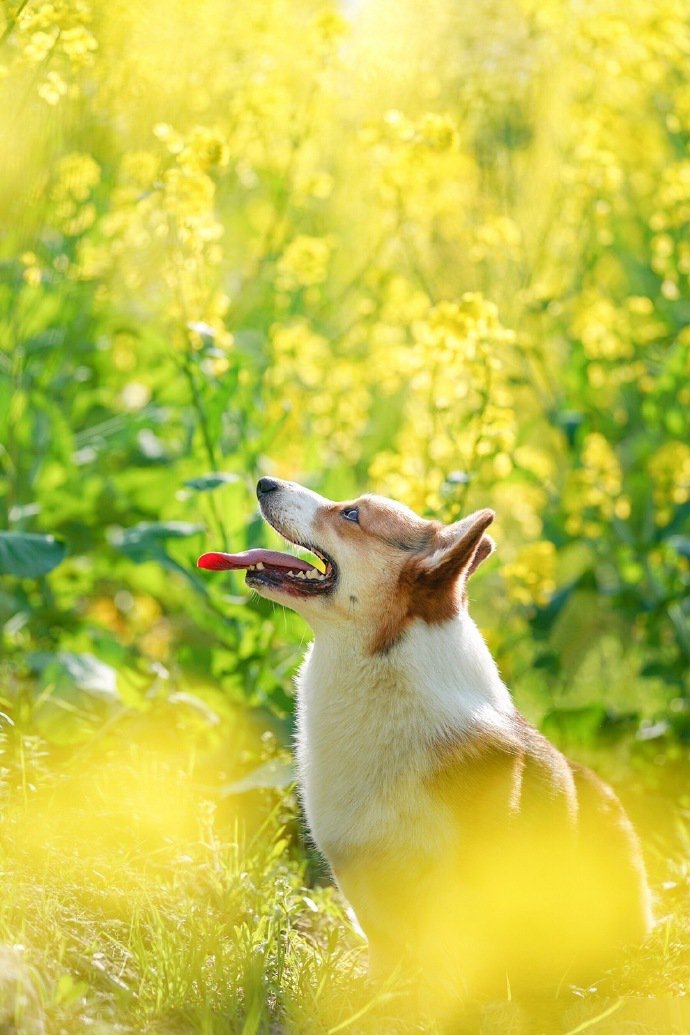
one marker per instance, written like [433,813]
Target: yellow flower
[438,132]
[669,470]
[592,493]
[139,168]
[52,88]
[458,413]
[530,577]
[39,46]
[78,44]
[77,175]
[304,263]
[206,149]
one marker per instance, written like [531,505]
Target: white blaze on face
[292,510]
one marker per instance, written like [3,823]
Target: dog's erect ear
[485,548]
[462,549]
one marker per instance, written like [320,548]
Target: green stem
[197,403]
[412,254]
[209,447]
[478,436]
[12,21]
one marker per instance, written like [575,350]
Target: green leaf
[69,991]
[273,775]
[678,523]
[212,481]
[65,669]
[216,401]
[681,627]
[143,542]
[74,691]
[27,555]
[579,725]
[197,711]
[680,543]
[545,617]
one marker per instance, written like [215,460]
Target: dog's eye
[350,514]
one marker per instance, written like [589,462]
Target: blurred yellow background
[438,251]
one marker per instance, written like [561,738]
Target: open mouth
[271,569]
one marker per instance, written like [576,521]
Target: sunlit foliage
[460,281]
[365,245]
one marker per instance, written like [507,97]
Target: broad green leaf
[574,724]
[142,542]
[195,707]
[78,671]
[678,524]
[212,481]
[28,555]
[680,543]
[68,990]
[146,542]
[273,775]
[74,691]
[681,626]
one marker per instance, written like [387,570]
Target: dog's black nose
[265,485]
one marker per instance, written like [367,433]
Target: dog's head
[383,565]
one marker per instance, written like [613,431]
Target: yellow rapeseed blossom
[439,132]
[459,413]
[56,31]
[592,493]
[76,178]
[53,88]
[669,470]
[304,263]
[530,578]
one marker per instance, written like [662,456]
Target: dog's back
[541,883]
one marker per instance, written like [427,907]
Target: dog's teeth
[301,575]
[312,574]
[252,567]
[260,566]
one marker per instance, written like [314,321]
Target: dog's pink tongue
[237,561]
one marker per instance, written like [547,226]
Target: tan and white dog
[472,851]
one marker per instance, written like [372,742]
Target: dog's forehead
[381,505]
[396,523]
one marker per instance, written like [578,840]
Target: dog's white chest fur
[369,729]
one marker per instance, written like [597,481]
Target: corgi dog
[473,853]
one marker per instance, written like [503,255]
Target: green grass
[139,897]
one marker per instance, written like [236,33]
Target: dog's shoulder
[504,772]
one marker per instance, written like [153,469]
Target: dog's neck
[445,670]
[371,728]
